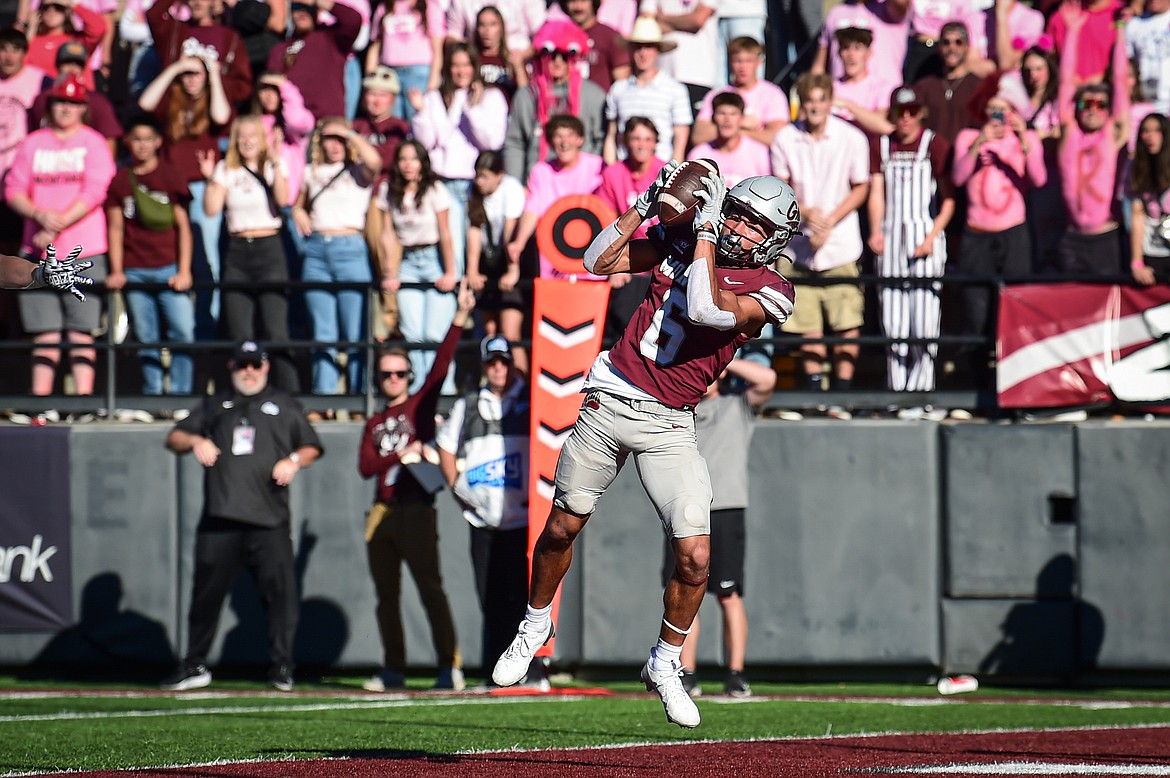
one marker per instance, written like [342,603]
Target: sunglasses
[400,374]
[557,53]
[906,110]
[952,42]
[251,363]
[1087,103]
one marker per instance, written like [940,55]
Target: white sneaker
[513,663]
[680,708]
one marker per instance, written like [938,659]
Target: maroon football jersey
[668,356]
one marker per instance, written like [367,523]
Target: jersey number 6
[664,337]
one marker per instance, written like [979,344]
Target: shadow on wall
[107,641]
[322,628]
[1056,636]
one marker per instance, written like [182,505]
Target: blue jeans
[178,311]
[423,314]
[205,261]
[733,27]
[353,86]
[337,314]
[409,76]
[460,190]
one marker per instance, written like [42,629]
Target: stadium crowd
[206,153]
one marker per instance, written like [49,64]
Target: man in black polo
[252,442]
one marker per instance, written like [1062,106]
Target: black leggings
[259,313]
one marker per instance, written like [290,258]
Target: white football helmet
[770,202]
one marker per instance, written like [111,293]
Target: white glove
[711,196]
[647,202]
[64,276]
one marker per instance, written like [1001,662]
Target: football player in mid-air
[712,289]
[64,276]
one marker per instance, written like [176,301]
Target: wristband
[1136,265]
[707,235]
[38,278]
[295,458]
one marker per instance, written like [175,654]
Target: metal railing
[869,392]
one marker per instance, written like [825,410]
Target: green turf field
[100,726]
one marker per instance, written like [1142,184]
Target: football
[677,203]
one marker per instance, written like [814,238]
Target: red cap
[69,87]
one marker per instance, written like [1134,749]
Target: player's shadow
[322,628]
[107,641]
[1054,637]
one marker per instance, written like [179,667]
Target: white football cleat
[680,708]
[513,663]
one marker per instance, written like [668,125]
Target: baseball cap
[249,353]
[904,95]
[69,88]
[72,51]
[383,78]
[494,346]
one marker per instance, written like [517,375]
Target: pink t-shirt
[750,158]
[16,96]
[927,17]
[78,167]
[1026,26]
[618,14]
[1088,169]
[549,182]
[995,197]
[872,93]
[764,99]
[405,38]
[298,128]
[97,6]
[620,189]
[1095,44]
[889,37]
[523,19]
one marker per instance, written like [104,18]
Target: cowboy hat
[646,30]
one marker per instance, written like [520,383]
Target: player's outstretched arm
[610,252]
[18,273]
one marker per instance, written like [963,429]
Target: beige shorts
[829,308]
[662,440]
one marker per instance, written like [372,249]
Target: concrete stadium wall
[1025,551]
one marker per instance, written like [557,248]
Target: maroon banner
[36,592]
[1082,344]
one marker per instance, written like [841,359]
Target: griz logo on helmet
[770,203]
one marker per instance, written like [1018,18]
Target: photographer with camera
[997,164]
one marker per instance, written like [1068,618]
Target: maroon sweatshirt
[174,38]
[315,63]
[389,431]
